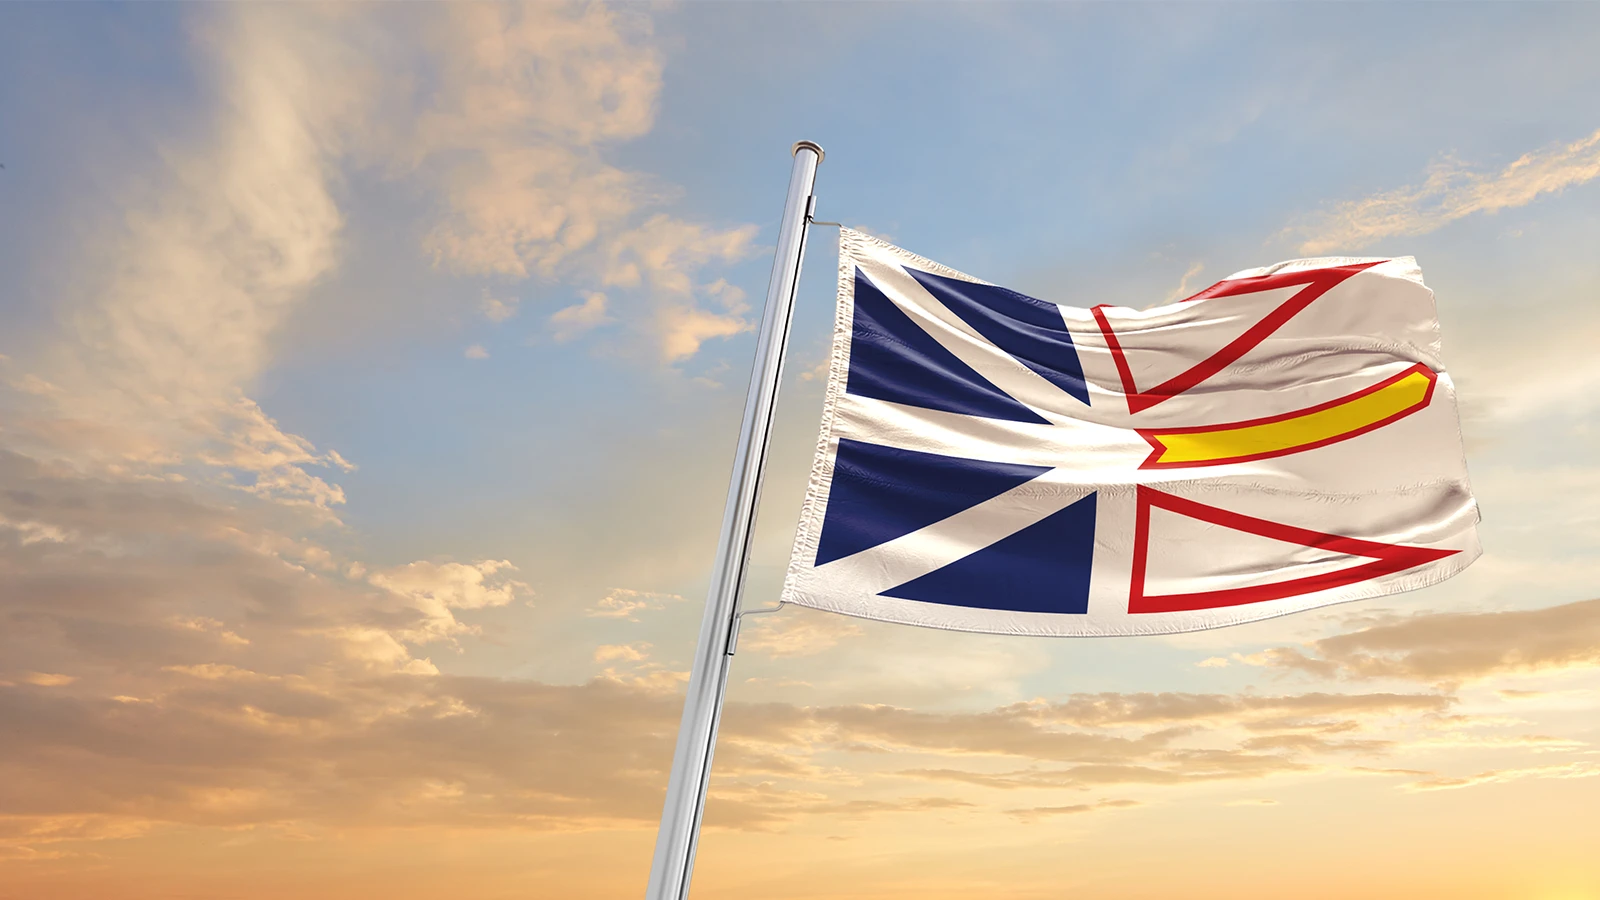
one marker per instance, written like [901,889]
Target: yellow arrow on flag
[1294,432]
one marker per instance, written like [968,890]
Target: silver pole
[708,679]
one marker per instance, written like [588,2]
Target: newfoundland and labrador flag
[1285,439]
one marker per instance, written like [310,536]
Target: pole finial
[809,144]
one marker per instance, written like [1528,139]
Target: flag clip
[733,639]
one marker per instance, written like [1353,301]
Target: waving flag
[1285,439]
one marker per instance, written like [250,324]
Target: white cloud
[571,321]
[622,603]
[434,589]
[476,351]
[378,649]
[1450,191]
[455,585]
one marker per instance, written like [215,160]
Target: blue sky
[319,214]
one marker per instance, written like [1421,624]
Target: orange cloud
[1456,647]
[1451,191]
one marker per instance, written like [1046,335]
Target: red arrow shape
[1386,558]
[1317,282]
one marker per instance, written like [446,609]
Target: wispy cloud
[528,99]
[1454,647]
[1183,288]
[801,633]
[635,652]
[625,603]
[182,293]
[1500,776]
[498,309]
[1035,813]
[1450,191]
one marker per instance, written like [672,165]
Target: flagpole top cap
[811,145]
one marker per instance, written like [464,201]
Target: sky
[369,382]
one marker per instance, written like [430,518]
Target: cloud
[497,310]
[571,321]
[435,589]
[1450,191]
[184,643]
[526,102]
[1005,732]
[1035,813]
[635,652]
[319,715]
[623,603]
[684,328]
[859,809]
[453,585]
[236,752]
[819,371]
[805,634]
[178,666]
[181,293]
[1179,770]
[1500,776]
[1100,710]
[476,351]
[208,625]
[1449,648]
[497,116]
[1183,290]
[32,532]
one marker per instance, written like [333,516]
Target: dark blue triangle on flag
[893,359]
[1031,330]
[1042,568]
[880,493]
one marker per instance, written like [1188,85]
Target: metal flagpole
[708,680]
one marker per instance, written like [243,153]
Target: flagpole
[708,678]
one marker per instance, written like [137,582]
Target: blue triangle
[880,493]
[1042,568]
[892,358]
[1030,330]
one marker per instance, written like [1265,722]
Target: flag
[1285,439]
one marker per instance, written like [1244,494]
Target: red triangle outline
[1317,282]
[1386,558]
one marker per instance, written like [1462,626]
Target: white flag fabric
[1285,439]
